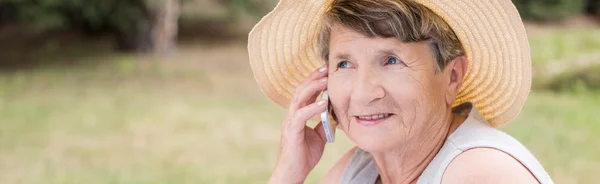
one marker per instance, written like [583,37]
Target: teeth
[372,117]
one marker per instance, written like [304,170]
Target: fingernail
[323,69]
[321,102]
[323,80]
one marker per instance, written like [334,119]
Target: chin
[376,140]
[371,147]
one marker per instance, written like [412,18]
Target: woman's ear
[458,69]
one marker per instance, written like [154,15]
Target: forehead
[346,38]
[347,42]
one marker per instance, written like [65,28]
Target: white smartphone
[327,121]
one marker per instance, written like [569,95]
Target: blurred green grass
[198,116]
[559,44]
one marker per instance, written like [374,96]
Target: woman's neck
[406,163]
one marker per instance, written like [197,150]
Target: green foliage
[120,15]
[90,15]
[548,10]
[44,13]
[593,7]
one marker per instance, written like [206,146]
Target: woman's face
[385,93]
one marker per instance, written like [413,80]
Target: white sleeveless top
[474,132]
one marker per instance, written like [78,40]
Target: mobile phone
[327,121]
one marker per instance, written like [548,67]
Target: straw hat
[283,50]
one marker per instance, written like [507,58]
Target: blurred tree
[549,10]
[592,7]
[138,25]
[164,32]
[7,13]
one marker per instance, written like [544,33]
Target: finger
[305,113]
[307,94]
[316,75]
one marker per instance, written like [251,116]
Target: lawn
[197,116]
[560,44]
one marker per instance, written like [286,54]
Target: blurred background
[160,91]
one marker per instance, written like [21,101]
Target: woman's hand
[301,146]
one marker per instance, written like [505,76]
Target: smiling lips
[370,120]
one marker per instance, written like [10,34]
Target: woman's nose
[367,88]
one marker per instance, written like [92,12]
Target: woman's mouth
[371,120]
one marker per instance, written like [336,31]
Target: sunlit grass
[562,44]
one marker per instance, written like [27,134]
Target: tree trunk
[164,31]
[155,31]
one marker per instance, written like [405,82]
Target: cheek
[413,93]
[339,89]
[405,88]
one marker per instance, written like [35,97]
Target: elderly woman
[418,85]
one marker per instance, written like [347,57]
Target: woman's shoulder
[335,173]
[488,154]
[487,165]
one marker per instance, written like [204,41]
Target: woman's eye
[393,61]
[344,64]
